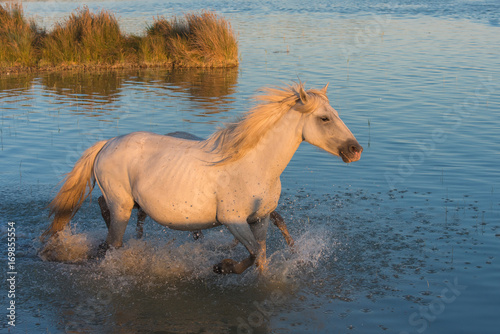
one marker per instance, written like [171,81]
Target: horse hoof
[225,267]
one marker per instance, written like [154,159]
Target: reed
[94,40]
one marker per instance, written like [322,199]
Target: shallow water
[404,240]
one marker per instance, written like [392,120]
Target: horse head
[322,126]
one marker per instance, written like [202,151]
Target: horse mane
[234,140]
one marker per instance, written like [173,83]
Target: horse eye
[324,119]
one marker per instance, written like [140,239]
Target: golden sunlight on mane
[235,139]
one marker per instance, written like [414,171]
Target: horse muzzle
[351,151]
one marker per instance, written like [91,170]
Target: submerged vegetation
[94,40]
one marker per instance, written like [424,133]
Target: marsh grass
[212,38]
[20,39]
[85,38]
[199,40]
[90,40]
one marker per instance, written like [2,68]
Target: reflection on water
[94,88]
[211,88]
[15,84]
[208,84]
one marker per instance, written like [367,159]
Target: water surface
[404,240]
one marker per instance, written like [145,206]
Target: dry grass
[19,39]
[202,40]
[212,38]
[89,39]
[85,38]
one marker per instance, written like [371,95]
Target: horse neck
[277,147]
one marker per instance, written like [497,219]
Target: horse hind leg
[105,213]
[119,210]
[115,234]
[141,217]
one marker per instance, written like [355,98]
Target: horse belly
[180,202]
[186,215]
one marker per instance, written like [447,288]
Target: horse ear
[303,95]
[323,90]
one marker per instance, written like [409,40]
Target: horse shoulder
[242,194]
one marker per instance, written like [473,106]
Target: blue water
[404,240]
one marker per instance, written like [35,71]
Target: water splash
[148,260]
[155,261]
[312,247]
[67,246]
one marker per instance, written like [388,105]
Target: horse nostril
[355,149]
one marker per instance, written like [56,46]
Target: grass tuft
[85,38]
[89,39]
[20,40]
[200,40]
[212,38]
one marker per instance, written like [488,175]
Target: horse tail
[78,185]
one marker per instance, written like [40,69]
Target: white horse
[141,215]
[230,179]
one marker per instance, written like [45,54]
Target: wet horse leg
[280,223]
[277,220]
[116,222]
[141,217]
[106,215]
[120,209]
[253,237]
[259,230]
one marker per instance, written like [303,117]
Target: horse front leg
[253,237]
[259,230]
[280,223]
